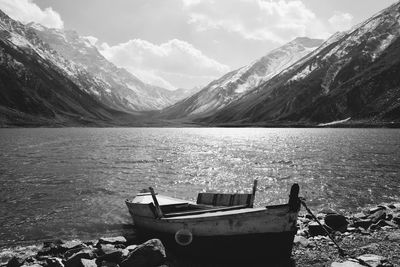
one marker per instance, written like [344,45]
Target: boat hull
[248,234]
[240,248]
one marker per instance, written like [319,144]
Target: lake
[72,182]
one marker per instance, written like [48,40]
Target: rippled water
[65,183]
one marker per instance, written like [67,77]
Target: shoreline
[373,231]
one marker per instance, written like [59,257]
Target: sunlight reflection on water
[73,182]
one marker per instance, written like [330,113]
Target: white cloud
[27,11]
[341,21]
[174,62]
[263,20]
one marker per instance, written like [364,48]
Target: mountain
[233,85]
[354,76]
[40,87]
[120,88]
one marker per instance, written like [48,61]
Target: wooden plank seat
[203,210]
[225,200]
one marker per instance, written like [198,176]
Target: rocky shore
[368,238]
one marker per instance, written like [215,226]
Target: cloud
[341,21]
[27,11]
[262,20]
[174,62]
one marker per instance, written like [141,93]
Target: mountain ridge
[233,85]
[349,77]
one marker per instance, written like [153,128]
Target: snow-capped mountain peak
[233,85]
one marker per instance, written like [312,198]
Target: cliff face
[353,75]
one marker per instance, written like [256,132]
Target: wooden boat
[224,226]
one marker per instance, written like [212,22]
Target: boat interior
[208,202]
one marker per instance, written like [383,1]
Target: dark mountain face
[353,75]
[35,87]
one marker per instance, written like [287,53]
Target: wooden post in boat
[158,209]
[253,194]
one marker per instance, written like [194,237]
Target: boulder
[327,211]
[108,264]
[115,256]
[88,263]
[336,221]
[349,263]
[396,218]
[377,216]
[75,259]
[131,247]
[373,260]
[300,240]
[150,253]
[376,209]
[315,229]
[106,249]
[32,265]
[394,237]
[73,244]
[54,262]
[52,248]
[362,223]
[112,240]
[15,262]
[359,215]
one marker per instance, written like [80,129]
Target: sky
[188,43]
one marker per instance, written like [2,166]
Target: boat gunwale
[212,216]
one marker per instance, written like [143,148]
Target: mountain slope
[233,85]
[35,83]
[118,83]
[353,75]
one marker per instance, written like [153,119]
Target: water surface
[72,182]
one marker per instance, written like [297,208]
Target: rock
[349,263]
[378,225]
[106,249]
[73,244]
[394,237]
[377,216]
[359,215]
[315,229]
[32,265]
[376,209]
[52,248]
[391,224]
[302,232]
[300,240]
[54,262]
[88,263]
[108,264]
[372,260]
[327,211]
[16,262]
[112,240]
[75,260]
[150,253]
[131,247]
[363,223]
[115,256]
[370,248]
[396,218]
[336,221]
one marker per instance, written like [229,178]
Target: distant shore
[372,234]
[177,124]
